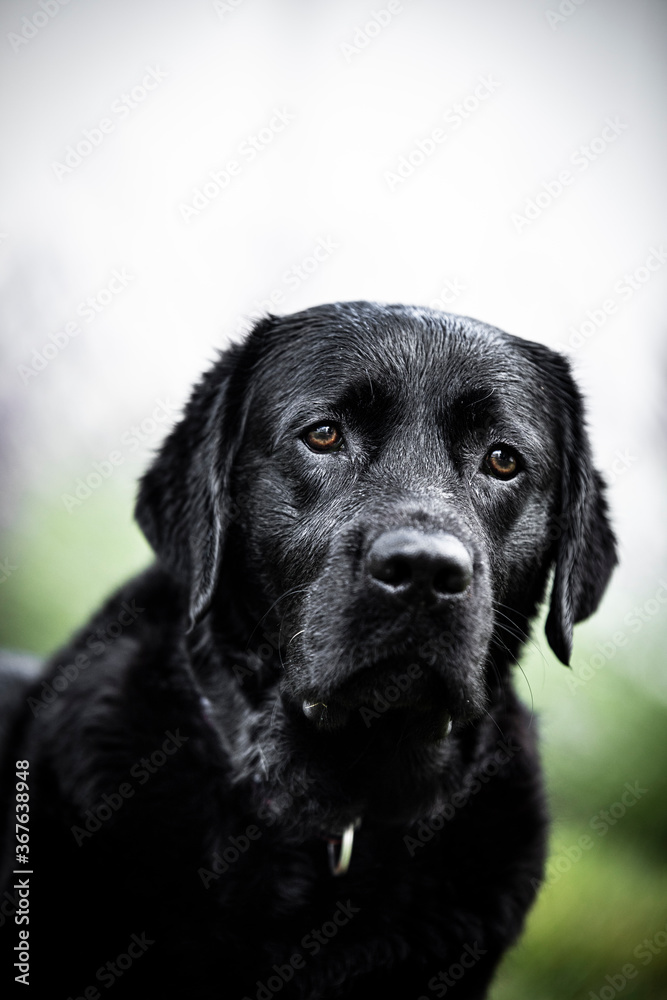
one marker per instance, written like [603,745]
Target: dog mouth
[405,699]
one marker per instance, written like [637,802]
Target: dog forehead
[401,350]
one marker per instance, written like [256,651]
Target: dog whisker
[494,721]
[288,593]
[519,633]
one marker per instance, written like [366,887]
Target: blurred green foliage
[601,901]
[599,905]
[66,564]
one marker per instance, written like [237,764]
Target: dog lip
[327,714]
[314,711]
[383,687]
[427,722]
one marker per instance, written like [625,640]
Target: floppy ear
[184,500]
[585,549]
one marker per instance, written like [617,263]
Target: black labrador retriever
[288,758]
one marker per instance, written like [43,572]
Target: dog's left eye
[324,437]
[502,462]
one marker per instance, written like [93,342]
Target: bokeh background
[503,160]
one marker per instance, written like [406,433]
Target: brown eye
[324,437]
[502,463]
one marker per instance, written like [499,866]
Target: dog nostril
[394,571]
[414,562]
[454,578]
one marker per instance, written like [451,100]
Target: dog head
[390,488]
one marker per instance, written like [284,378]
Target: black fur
[185,774]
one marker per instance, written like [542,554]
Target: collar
[340,849]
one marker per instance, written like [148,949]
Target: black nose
[422,564]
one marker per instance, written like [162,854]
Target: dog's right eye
[324,437]
[502,462]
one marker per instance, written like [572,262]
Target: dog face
[392,486]
[409,486]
